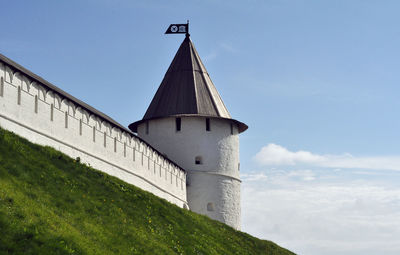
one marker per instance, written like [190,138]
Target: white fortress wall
[44,116]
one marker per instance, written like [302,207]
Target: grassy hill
[52,204]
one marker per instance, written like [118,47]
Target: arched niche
[68,106]
[53,98]
[57,101]
[2,70]
[50,97]
[126,138]
[94,122]
[17,80]
[39,90]
[107,128]
[9,76]
[136,143]
[25,83]
[117,133]
[82,114]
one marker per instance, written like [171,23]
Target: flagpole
[187,31]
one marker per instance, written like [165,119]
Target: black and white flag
[178,29]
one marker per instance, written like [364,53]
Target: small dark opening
[231,129]
[198,160]
[147,127]
[178,122]
[207,124]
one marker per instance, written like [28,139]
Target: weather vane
[178,29]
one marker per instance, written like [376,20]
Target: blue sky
[316,81]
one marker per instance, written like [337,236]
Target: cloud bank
[315,212]
[276,155]
[307,203]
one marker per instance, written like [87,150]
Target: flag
[178,29]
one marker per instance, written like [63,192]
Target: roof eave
[241,126]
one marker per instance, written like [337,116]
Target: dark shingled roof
[187,90]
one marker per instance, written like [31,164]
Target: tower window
[210,207]
[198,160]
[231,128]
[208,124]
[178,122]
[147,127]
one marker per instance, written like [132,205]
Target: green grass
[52,204]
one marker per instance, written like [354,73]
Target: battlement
[43,113]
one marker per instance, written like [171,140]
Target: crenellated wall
[46,115]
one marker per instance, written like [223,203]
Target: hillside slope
[52,204]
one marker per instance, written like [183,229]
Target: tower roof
[187,90]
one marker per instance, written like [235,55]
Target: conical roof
[187,90]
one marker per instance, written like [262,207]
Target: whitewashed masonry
[188,121]
[44,114]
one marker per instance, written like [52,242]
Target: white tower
[189,123]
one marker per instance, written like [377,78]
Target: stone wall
[44,116]
[213,183]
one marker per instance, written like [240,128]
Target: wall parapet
[43,113]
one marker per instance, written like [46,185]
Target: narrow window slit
[36,104]
[208,124]
[2,87]
[19,96]
[198,160]
[51,112]
[66,119]
[210,207]
[178,122]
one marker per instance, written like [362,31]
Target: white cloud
[228,47]
[274,154]
[211,56]
[222,47]
[254,177]
[322,216]
[305,175]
